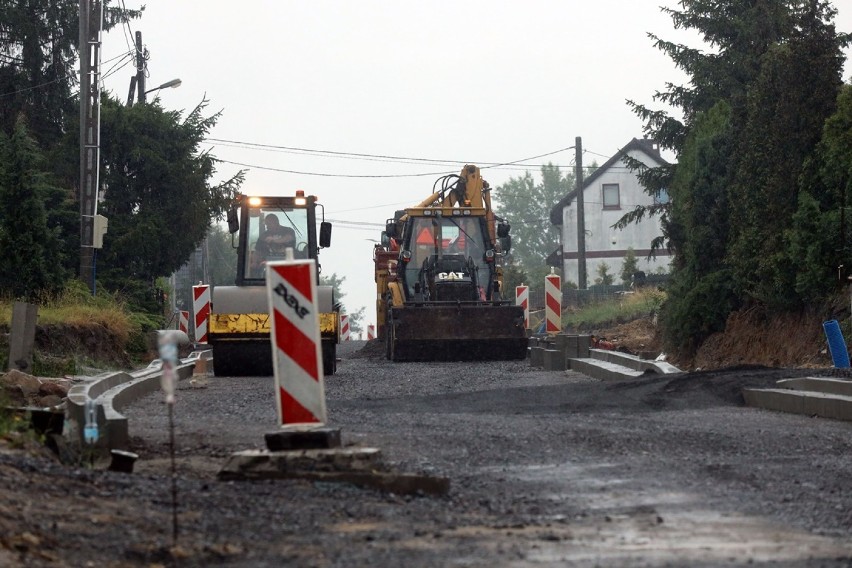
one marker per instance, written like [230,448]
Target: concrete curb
[818,384]
[811,396]
[563,352]
[111,392]
[633,362]
[603,370]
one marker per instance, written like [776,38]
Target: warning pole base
[312,438]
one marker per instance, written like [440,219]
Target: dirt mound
[95,341]
[638,337]
[750,338]
[374,349]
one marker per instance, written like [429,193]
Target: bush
[694,310]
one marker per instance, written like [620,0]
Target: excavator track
[456,332]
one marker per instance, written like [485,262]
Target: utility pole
[91,23]
[581,215]
[140,69]
[137,82]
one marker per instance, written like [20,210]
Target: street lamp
[134,81]
[167,85]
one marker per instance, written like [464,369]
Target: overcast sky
[458,82]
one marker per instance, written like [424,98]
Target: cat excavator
[439,278]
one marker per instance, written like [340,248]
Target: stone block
[536,356]
[554,360]
[22,336]
[584,343]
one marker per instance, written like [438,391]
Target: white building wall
[603,243]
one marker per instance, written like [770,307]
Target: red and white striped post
[344,327]
[522,298]
[201,307]
[296,344]
[553,303]
[371,332]
[183,321]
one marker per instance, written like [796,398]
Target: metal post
[581,216]
[91,21]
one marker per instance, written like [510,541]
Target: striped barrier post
[183,321]
[522,298]
[201,307]
[344,327]
[296,346]
[553,303]
[371,332]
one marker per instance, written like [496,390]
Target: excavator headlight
[489,255]
[466,212]
[427,213]
[255,201]
[456,212]
[406,256]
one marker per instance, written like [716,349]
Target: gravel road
[546,469]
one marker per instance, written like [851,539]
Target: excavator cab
[263,228]
[444,252]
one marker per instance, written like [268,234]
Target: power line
[487,165]
[322,174]
[400,203]
[386,157]
[72,73]
[357,223]
[113,69]
[370,157]
[389,159]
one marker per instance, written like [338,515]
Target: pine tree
[159,199]
[605,278]
[629,266]
[791,96]
[29,266]
[752,113]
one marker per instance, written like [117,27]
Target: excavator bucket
[456,332]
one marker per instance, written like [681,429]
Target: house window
[662,197]
[610,196]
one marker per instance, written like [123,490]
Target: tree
[28,246]
[158,196]
[604,277]
[513,276]
[700,295]
[355,318]
[629,266]
[221,257]
[38,64]
[526,206]
[792,94]
[751,116]
[38,56]
[820,231]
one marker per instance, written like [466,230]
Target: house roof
[648,147]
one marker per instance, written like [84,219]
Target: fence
[594,294]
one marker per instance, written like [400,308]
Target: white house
[608,194]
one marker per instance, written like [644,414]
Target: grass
[75,307]
[619,309]
[77,310]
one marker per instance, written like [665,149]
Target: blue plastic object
[836,344]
